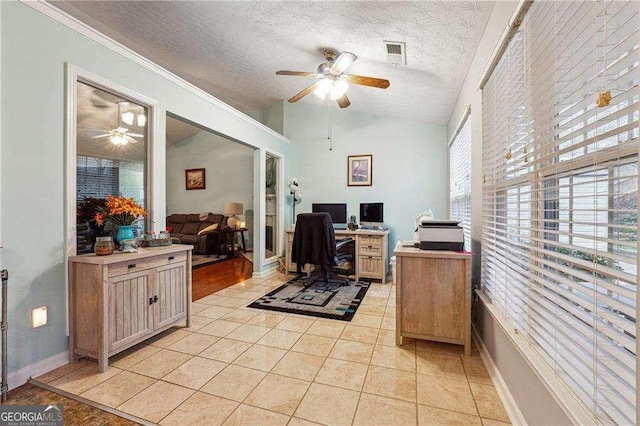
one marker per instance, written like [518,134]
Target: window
[460,179]
[560,196]
[111,157]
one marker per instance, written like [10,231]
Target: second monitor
[372,215]
[337,211]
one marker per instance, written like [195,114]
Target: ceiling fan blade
[303,93]
[342,62]
[380,83]
[343,101]
[101,136]
[135,135]
[297,73]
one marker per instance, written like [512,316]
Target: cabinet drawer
[142,264]
[370,240]
[374,249]
[370,245]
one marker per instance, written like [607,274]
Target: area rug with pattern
[312,296]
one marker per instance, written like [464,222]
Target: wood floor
[75,412]
[209,279]
[205,281]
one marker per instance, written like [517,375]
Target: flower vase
[125,232]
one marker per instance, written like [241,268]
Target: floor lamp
[296,196]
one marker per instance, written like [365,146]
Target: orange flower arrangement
[120,211]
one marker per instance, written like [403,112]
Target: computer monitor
[371,214]
[338,211]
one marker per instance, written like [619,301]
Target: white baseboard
[265,273]
[20,377]
[509,403]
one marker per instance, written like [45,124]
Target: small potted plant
[122,213]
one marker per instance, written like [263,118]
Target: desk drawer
[370,246]
[147,263]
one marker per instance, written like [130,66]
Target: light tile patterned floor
[243,366]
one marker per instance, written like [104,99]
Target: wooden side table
[228,238]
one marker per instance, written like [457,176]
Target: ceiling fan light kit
[332,81]
[128,117]
[121,135]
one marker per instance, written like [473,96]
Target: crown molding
[91,33]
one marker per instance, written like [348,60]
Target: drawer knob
[171,257]
[133,265]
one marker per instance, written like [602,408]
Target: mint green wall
[409,163]
[32,192]
[271,116]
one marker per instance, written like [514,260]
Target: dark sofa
[185,227]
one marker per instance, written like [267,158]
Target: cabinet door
[129,308]
[171,290]
[433,297]
[370,266]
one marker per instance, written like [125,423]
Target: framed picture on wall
[194,179]
[359,170]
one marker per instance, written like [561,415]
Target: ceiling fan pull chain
[329,117]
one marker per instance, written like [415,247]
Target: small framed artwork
[359,170]
[194,179]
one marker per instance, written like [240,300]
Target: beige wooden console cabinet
[433,296]
[120,300]
[371,252]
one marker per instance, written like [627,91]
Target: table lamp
[233,209]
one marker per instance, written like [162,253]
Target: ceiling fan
[331,79]
[120,136]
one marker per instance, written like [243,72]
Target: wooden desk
[433,296]
[371,256]
[228,237]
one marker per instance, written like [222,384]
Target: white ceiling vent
[396,53]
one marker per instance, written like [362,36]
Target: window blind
[460,179]
[96,178]
[560,196]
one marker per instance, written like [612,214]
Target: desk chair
[314,242]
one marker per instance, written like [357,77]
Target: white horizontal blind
[96,178]
[460,180]
[560,196]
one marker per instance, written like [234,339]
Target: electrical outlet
[38,317]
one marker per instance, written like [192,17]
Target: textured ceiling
[232,49]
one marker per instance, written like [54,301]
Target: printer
[441,235]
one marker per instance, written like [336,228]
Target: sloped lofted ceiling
[232,49]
